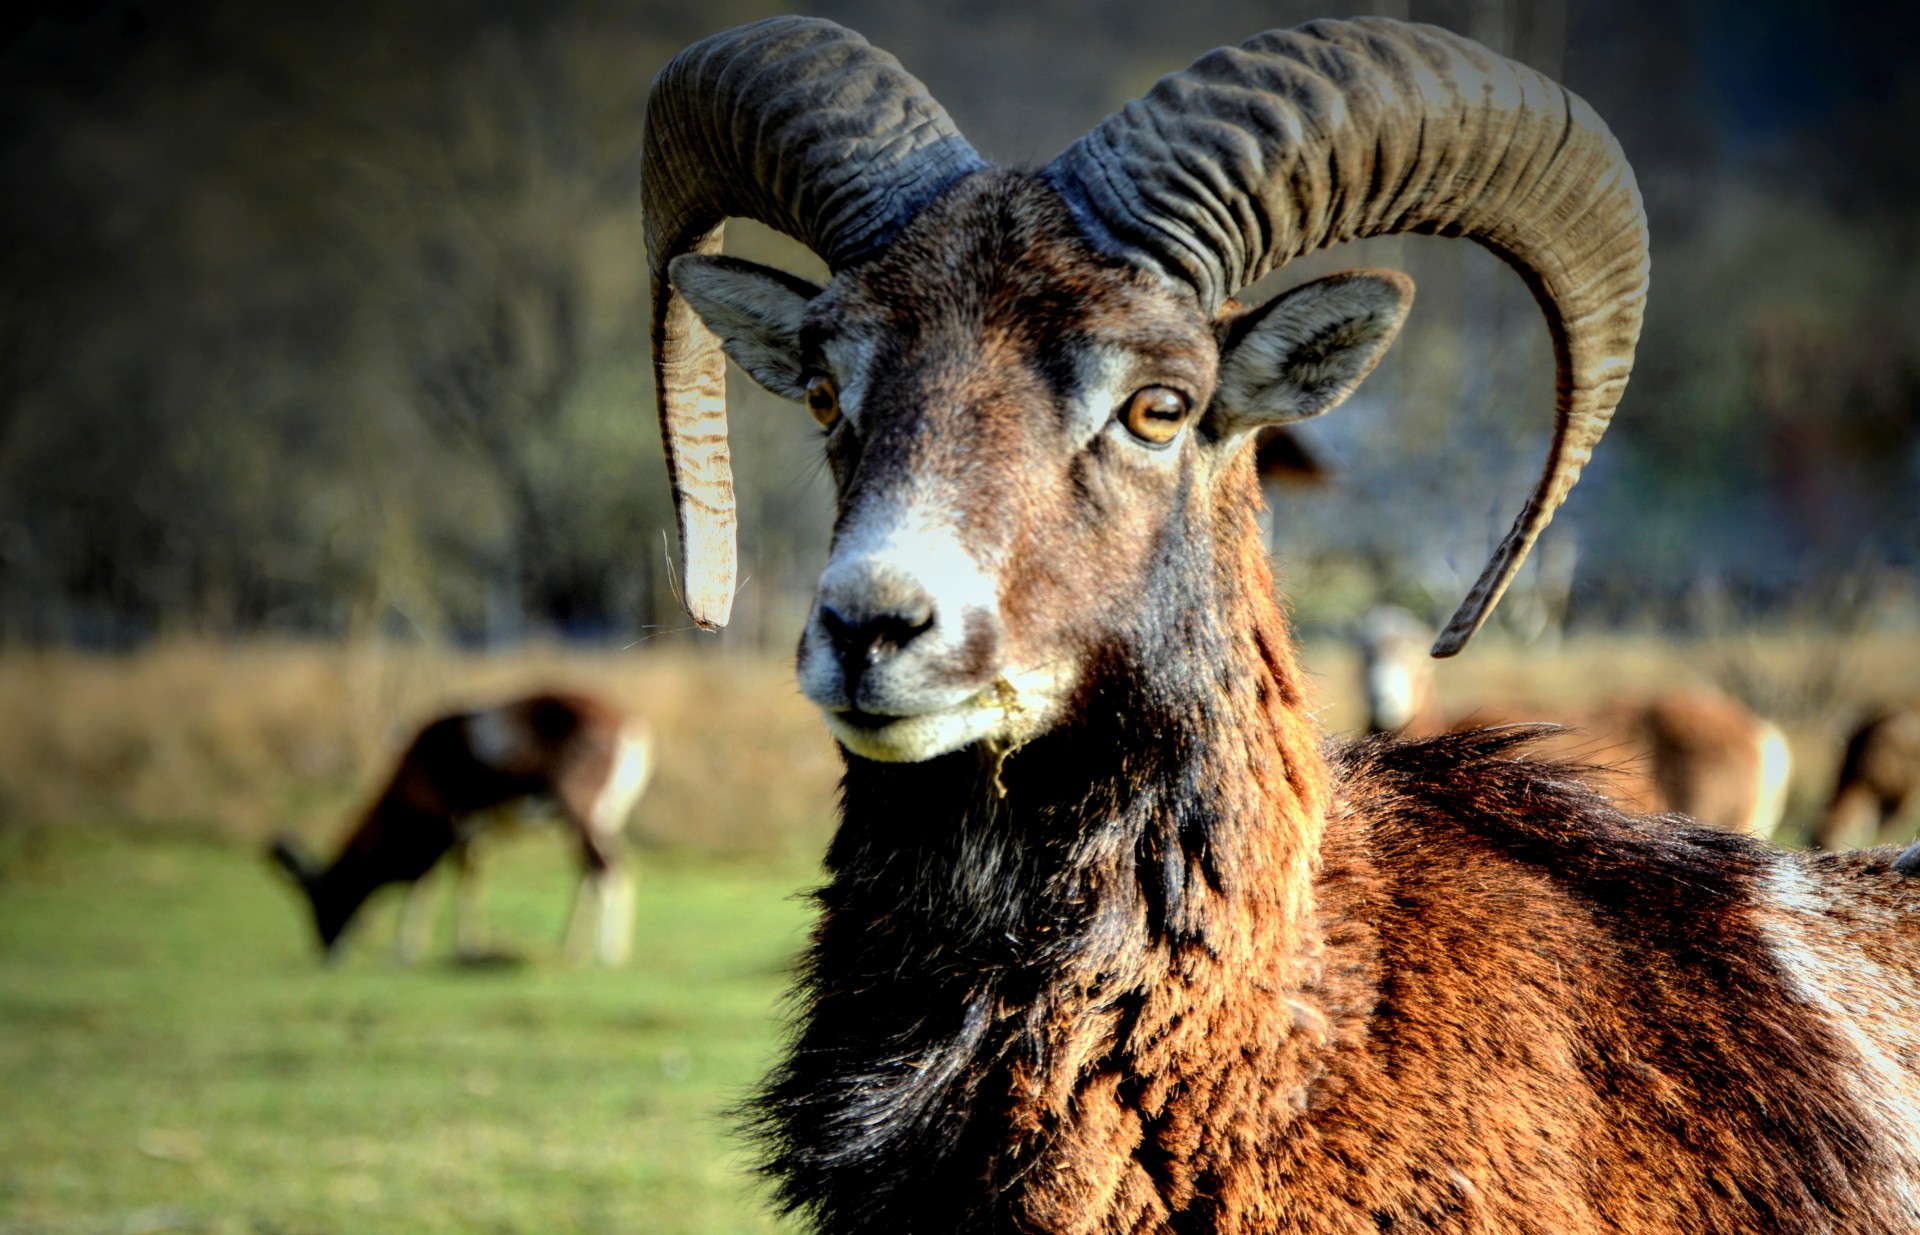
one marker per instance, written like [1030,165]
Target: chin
[1014,709]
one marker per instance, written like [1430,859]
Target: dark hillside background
[329,319]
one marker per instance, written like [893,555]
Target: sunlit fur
[1172,964]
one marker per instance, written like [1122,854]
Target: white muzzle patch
[903,653]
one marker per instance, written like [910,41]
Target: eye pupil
[1155,414]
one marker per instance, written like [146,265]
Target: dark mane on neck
[994,927]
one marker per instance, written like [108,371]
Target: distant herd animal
[1112,939]
[1876,794]
[1690,750]
[578,758]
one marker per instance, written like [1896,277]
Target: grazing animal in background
[1693,751]
[1112,940]
[1876,794]
[578,757]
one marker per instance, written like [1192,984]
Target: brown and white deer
[1690,750]
[1112,939]
[574,756]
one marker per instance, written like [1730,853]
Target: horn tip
[709,602]
[709,614]
[1462,626]
[1452,641]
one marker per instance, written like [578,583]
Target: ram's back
[1564,1017]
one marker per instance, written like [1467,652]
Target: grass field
[173,1058]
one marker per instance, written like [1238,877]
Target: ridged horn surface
[799,124]
[1339,130]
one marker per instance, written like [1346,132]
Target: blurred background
[324,407]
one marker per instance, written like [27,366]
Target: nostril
[894,631]
[869,639]
[838,628]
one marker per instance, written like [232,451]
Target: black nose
[863,640]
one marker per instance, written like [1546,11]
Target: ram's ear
[754,310]
[1304,351]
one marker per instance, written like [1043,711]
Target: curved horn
[801,125]
[1339,130]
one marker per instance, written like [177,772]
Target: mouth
[867,721]
[1011,710]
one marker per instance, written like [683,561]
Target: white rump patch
[632,769]
[1391,695]
[1776,769]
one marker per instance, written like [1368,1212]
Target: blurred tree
[333,319]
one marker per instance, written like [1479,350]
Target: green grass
[172,1056]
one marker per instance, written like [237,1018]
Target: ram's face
[1024,435]
[998,504]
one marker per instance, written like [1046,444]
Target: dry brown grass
[250,739]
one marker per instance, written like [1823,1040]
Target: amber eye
[823,401]
[1155,414]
